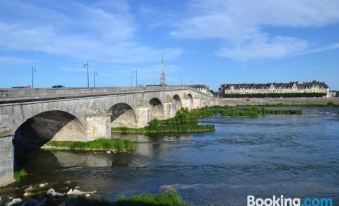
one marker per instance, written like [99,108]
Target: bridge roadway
[31,117]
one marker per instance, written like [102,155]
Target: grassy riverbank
[187,121]
[114,145]
[169,198]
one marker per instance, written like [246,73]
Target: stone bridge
[31,117]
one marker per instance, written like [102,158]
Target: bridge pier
[6,161]
[98,126]
[169,110]
[143,116]
[196,103]
[187,103]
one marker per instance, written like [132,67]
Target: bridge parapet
[28,94]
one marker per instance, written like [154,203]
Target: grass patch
[239,111]
[183,122]
[20,175]
[168,198]
[115,145]
[187,121]
[165,129]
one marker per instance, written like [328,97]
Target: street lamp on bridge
[94,75]
[86,66]
[33,71]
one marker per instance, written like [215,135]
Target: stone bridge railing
[29,94]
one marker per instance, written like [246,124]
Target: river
[290,155]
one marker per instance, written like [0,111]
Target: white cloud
[264,49]
[6,60]
[103,31]
[241,25]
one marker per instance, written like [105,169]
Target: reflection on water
[294,155]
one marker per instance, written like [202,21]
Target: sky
[203,41]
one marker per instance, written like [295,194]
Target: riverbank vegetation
[188,121]
[183,122]
[168,198]
[239,111]
[114,145]
[19,175]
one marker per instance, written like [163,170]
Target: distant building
[201,87]
[333,93]
[291,87]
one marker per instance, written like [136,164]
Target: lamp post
[86,66]
[94,75]
[136,77]
[33,70]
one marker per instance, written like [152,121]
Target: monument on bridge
[162,73]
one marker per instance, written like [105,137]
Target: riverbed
[290,155]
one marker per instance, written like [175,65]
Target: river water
[290,155]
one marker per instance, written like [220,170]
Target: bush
[19,175]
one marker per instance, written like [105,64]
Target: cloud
[10,60]
[267,49]
[243,26]
[102,31]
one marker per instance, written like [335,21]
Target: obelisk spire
[162,73]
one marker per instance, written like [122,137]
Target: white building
[201,87]
[291,87]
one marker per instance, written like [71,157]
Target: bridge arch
[43,127]
[123,115]
[157,108]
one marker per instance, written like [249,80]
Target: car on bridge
[58,86]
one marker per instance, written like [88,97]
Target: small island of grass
[240,111]
[114,145]
[168,198]
[188,121]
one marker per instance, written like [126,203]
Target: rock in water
[42,185]
[14,202]
[51,192]
[77,192]
[29,189]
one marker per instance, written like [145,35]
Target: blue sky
[203,41]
